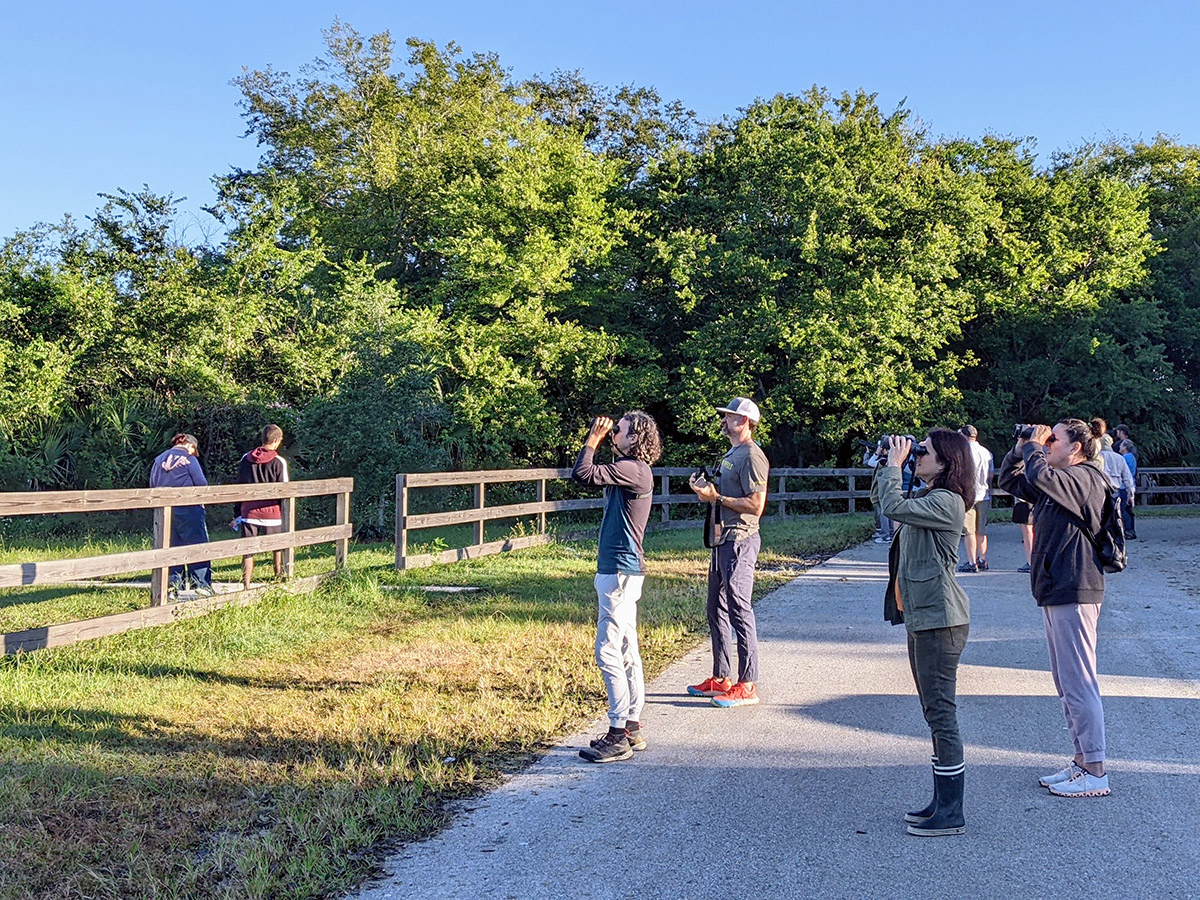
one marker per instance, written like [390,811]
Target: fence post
[665,481]
[782,491]
[851,493]
[479,529]
[541,498]
[162,540]
[401,521]
[341,548]
[288,507]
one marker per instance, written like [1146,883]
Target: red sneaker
[710,687]
[741,694]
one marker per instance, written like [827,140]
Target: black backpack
[1110,542]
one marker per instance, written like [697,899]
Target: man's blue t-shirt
[628,491]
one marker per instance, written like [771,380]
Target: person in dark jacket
[1058,471]
[262,465]
[924,594]
[620,572]
[179,466]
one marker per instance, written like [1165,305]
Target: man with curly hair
[620,572]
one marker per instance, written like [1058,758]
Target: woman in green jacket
[924,595]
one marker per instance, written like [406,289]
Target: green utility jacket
[924,554]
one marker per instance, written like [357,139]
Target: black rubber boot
[947,818]
[917,816]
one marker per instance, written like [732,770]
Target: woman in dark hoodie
[1057,470]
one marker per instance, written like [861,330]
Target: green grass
[272,751]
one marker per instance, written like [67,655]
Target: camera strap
[712,515]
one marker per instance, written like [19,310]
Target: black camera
[1023,431]
[706,473]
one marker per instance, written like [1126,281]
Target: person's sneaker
[710,687]
[741,694]
[983,566]
[1060,776]
[608,748]
[205,590]
[1082,784]
[636,740]
[967,567]
[1026,569]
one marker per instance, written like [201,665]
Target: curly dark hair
[647,445]
[954,450]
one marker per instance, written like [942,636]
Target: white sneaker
[1060,776]
[1082,784]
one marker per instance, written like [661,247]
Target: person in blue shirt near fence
[179,466]
[1128,452]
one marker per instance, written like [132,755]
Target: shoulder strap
[1078,520]
[1082,526]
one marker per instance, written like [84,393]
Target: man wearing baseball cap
[739,495]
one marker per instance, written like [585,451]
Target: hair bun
[1094,428]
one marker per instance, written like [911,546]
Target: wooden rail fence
[857,489]
[479,514]
[159,559]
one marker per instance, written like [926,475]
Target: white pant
[617,646]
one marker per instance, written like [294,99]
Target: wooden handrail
[40,502]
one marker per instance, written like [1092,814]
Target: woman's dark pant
[188,527]
[933,656]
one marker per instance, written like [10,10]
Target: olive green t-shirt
[743,471]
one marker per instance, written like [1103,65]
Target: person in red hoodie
[262,465]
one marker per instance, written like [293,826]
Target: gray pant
[730,587]
[617,646]
[933,657]
[1071,638]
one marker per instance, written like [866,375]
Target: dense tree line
[446,268]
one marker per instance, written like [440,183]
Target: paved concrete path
[802,795]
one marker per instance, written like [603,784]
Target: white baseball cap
[742,406]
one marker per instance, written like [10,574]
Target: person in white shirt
[975,524]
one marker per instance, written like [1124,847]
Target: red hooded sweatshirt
[261,466]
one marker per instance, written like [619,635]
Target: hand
[601,426]
[1041,433]
[898,450]
[703,488]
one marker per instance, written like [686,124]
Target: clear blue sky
[99,96]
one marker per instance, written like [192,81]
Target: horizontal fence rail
[480,513]
[159,559]
[858,481]
[36,502]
